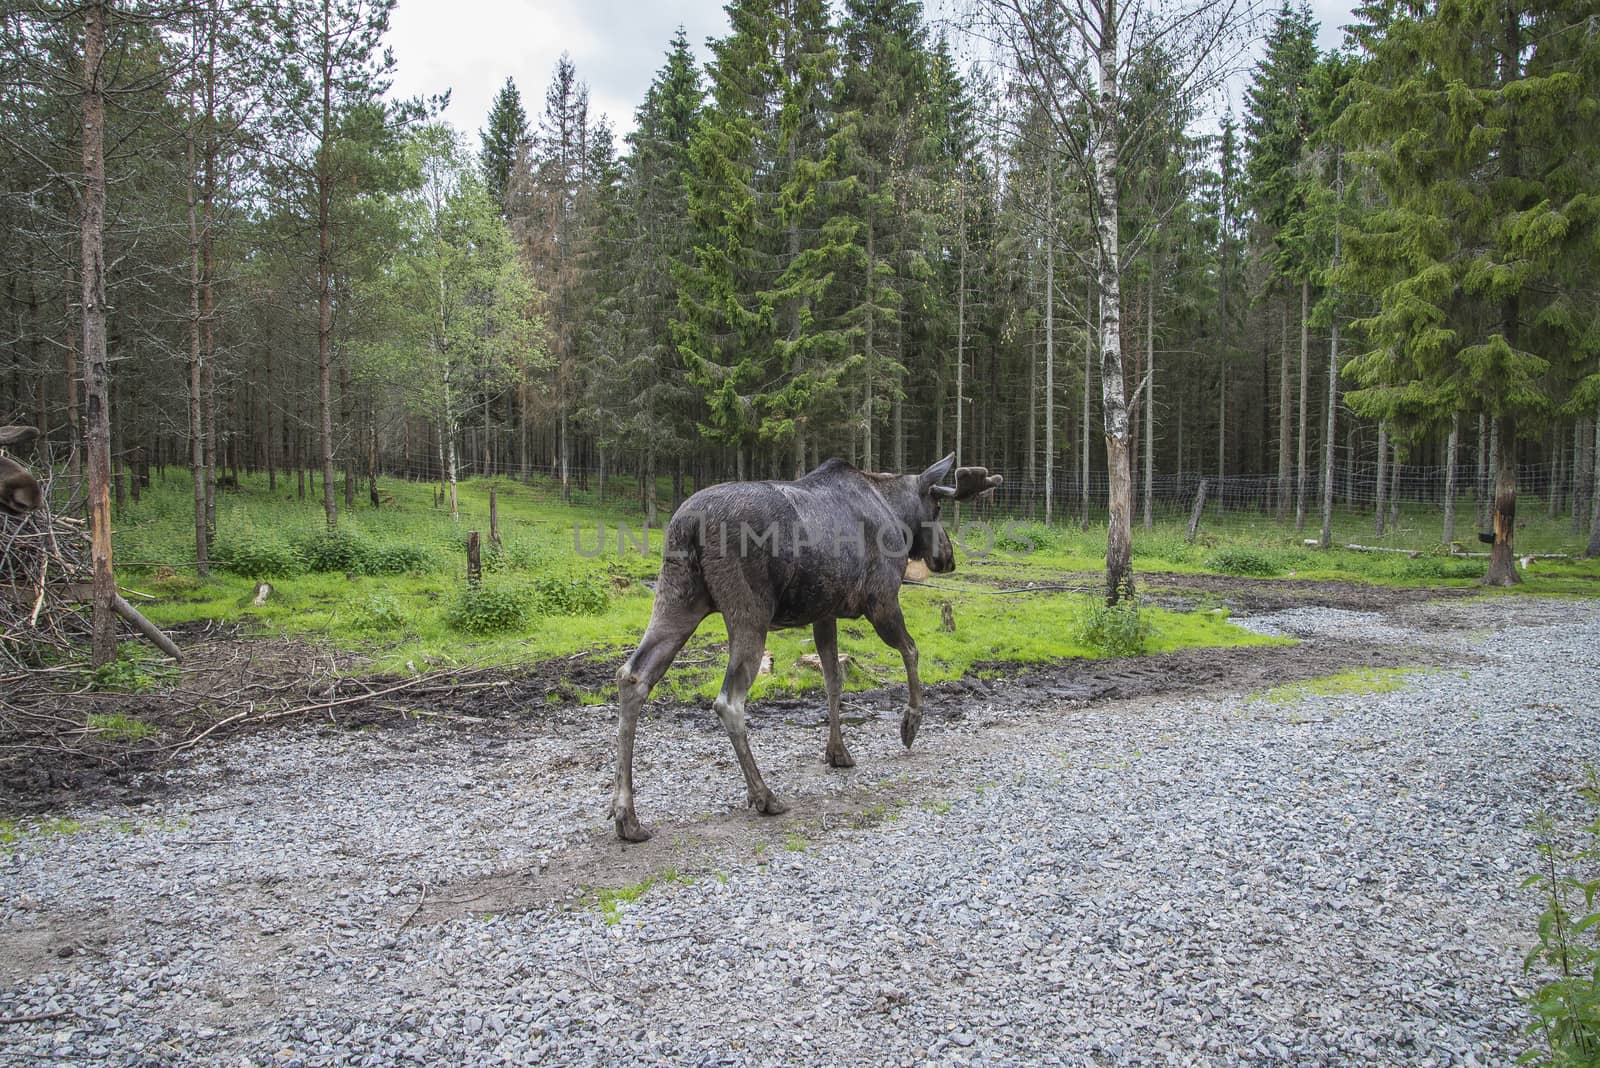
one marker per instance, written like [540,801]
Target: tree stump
[474,560]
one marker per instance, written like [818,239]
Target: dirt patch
[53,753]
[711,844]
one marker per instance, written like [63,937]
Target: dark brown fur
[19,490]
[831,545]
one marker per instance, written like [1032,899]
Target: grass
[14,832]
[119,728]
[1355,681]
[610,901]
[567,579]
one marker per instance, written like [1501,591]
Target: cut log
[814,662]
[1412,553]
[120,605]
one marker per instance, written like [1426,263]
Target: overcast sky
[471,46]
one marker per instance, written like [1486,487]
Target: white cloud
[471,46]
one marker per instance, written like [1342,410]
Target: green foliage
[331,550]
[1354,681]
[556,595]
[490,609]
[256,554]
[131,672]
[119,728]
[610,901]
[380,611]
[1245,560]
[1566,1003]
[1122,629]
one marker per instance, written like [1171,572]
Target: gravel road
[1218,878]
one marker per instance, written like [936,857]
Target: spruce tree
[1478,121]
[504,139]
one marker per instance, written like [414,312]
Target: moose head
[19,490]
[929,542]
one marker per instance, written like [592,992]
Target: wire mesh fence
[1170,496]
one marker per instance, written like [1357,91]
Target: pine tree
[503,139]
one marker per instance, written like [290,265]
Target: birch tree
[1074,57]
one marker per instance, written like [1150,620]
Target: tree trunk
[1090,328]
[1502,557]
[1333,367]
[1582,472]
[1450,478]
[92,270]
[197,448]
[1149,386]
[1379,514]
[1305,386]
[961,322]
[324,179]
[1114,399]
[1394,484]
[1593,548]
[1481,487]
[1049,348]
[1285,413]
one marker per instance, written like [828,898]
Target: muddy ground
[232,684]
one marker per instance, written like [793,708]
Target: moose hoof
[767,804]
[910,720]
[839,758]
[630,830]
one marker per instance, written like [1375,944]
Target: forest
[229,249]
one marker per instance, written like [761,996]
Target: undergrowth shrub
[489,608]
[332,550]
[1164,545]
[380,611]
[1244,560]
[558,595]
[1566,1003]
[393,558]
[1116,630]
[256,554]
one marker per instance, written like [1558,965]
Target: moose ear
[935,474]
[17,435]
[971,481]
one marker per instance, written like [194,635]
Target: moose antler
[970,481]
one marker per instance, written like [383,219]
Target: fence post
[1199,506]
[494,518]
[474,560]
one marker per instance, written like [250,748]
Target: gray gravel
[1222,879]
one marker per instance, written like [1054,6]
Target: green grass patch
[568,579]
[119,728]
[15,832]
[610,901]
[1343,683]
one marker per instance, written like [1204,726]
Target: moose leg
[891,627]
[826,633]
[745,645]
[662,641]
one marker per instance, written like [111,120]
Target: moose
[19,490]
[831,545]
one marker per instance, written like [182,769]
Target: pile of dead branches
[44,564]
